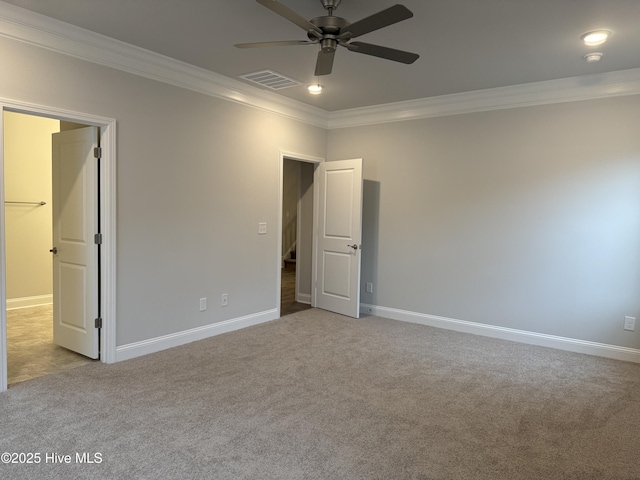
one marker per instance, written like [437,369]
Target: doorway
[295,254]
[38,307]
[31,350]
[333,249]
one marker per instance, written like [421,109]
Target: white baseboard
[26,302]
[522,336]
[137,349]
[304,298]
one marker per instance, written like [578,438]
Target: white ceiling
[464,45]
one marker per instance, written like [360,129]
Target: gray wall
[290,194]
[195,177]
[526,218]
[305,242]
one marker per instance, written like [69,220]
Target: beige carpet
[319,396]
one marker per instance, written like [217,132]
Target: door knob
[354,246]
[54,250]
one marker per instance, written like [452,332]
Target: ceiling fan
[330,31]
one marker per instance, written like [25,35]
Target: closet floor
[31,352]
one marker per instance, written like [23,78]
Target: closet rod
[29,203]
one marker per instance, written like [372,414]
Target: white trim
[300,157]
[108,227]
[108,191]
[521,336]
[26,302]
[298,233]
[145,347]
[36,29]
[304,298]
[587,87]
[45,32]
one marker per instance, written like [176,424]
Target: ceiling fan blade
[283,43]
[290,15]
[324,65]
[382,52]
[386,17]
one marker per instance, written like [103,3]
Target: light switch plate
[630,323]
[262,228]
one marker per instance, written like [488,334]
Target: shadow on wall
[370,225]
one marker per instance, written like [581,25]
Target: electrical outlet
[203,304]
[369,287]
[630,323]
[224,300]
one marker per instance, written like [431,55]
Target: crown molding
[35,29]
[23,25]
[587,87]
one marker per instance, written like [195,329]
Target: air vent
[270,79]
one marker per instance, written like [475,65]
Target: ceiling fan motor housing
[333,4]
[331,27]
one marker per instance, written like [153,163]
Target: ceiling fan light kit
[330,32]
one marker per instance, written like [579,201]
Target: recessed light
[593,57]
[315,89]
[597,37]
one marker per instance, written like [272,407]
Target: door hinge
[97,238]
[99,322]
[97,152]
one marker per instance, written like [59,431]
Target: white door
[339,235]
[75,254]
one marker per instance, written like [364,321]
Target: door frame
[107,224]
[298,157]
